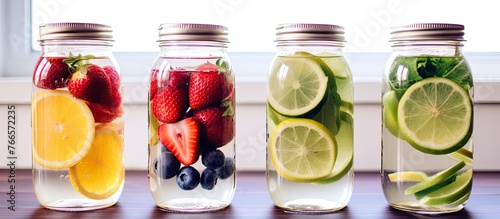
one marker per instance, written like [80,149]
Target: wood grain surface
[251,200]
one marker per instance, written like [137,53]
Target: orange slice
[63,129]
[100,174]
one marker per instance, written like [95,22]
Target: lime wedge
[435,116]
[407,176]
[296,85]
[437,178]
[390,112]
[462,154]
[452,193]
[302,150]
[345,155]
[338,64]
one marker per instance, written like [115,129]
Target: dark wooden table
[251,200]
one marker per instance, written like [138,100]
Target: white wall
[250,123]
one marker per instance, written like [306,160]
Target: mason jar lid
[297,33]
[418,33]
[183,32]
[75,31]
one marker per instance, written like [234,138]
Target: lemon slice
[302,150]
[435,116]
[296,85]
[63,130]
[435,181]
[454,193]
[345,155]
[407,176]
[338,64]
[100,174]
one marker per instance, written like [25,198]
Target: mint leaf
[403,73]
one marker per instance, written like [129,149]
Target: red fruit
[170,104]
[181,139]
[205,86]
[51,73]
[115,90]
[178,77]
[91,83]
[103,113]
[217,129]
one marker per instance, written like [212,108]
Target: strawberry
[178,77]
[170,104]
[92,84]
[51,73]
[103,113]
[217,128]
[205,86]
[181,138]
[115,89]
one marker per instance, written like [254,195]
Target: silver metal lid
[295,33]
[182,32]
[416,33]
[75,31]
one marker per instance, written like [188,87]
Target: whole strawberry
[51,73]
[170,104]
[91,83]
[217,127]
[103,113]
[115,90]
[205,86]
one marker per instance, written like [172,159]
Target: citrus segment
[345,154]
[390,112]
[63,131]
[302,150]
[435,116]
[451,193]
[463,154]
[407,176]
[296,85]
[431,182]
[100,174]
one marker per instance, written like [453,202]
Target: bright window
[252,23]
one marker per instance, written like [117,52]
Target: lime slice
[302,150]
[462,154]
[338,64]
[296,85]
[407,176]
[345,155]
[431,182]
[435,116]
[390,112]
[452,193]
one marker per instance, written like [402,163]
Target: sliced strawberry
[170,104]
[51,73]
[216,128]
[181,139]
[205,86]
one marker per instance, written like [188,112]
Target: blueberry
[227,170]
[213,159]
[208,179]
[188,178]
[166,165]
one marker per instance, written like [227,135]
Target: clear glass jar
[427,114]
[192,120]
[77,124]
[310,120]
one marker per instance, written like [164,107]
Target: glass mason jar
[77,124]
[192,120]
[427,114]
[310,120]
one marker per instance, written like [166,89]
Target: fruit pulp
[52,185]
[400,156]
[331,193]
[178,73]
